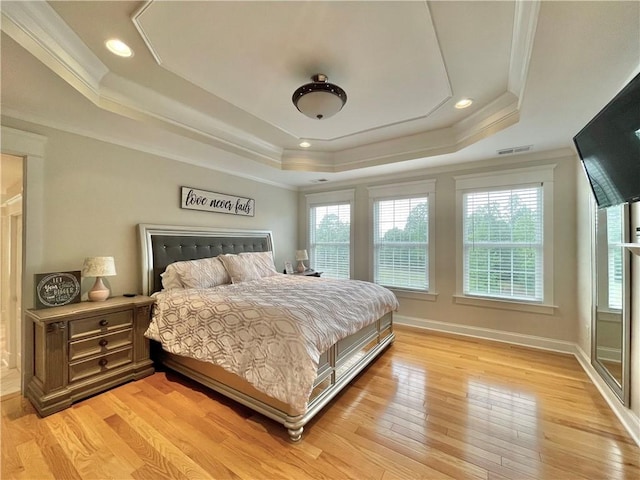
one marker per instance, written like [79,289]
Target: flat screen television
[609,147]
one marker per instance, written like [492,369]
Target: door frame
[31,147]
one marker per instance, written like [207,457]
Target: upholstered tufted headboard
[164,244]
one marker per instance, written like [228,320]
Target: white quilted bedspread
[271,331]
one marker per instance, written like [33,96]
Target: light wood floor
[432,406]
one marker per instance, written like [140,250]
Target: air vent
[512,150]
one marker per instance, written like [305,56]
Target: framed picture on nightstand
[288,268]
[57,289]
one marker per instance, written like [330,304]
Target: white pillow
[202,273]
[240,268]
[263,262]
[170,278]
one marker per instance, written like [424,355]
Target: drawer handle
[104,322]
[103,362]
[103,342]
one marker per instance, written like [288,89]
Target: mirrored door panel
[611,331]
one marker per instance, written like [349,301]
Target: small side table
[85,348]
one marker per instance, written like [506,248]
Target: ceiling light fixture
[305,144]
[319,99]
[118,47]
[464,103]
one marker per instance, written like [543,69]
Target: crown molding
[35,143]
[145,104]
[525,22]
[39,29]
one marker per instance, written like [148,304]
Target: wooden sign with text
[56,289]
[194,199]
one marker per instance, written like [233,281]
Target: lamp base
[99,292]
[301,268]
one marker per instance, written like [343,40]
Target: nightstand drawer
[100,324]
[99,345]
[97,365]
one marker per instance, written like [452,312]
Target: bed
[354,342]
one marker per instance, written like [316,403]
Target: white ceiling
[211,82]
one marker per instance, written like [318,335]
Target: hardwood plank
[47,443]
[433,406]
[155,464]
[162,449]
[33,460]
[109,440]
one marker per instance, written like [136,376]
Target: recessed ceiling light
[305,144]
[118,47]
[464,103]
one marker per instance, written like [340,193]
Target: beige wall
[100,192]
[95,194]
[559,326]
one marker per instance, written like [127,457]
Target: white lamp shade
[320,104]
[301,255]
[99,267]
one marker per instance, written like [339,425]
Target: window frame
[603,288]
[399,191]
[339,197]
[509,179]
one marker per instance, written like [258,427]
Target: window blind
[615,252]
[400,242]
[503,243]
[330,238]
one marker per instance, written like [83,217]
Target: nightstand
[85,348]
[308,273]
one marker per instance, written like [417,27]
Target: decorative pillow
[241,268]
[263,262]
[170,278]
[202,273]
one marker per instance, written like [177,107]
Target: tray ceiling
[222,73]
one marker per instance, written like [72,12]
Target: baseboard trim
[610,354]
[629,420]
[540,343]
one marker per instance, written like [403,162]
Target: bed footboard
[338,366]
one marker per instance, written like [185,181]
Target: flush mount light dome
[319,99]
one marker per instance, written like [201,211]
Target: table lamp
[98,267]
[301,256]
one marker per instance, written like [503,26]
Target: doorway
[11,192]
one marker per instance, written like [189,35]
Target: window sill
[542,309]
[414,295]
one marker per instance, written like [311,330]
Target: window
[330,233]
[502,237]
[505,239]
[401,234]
